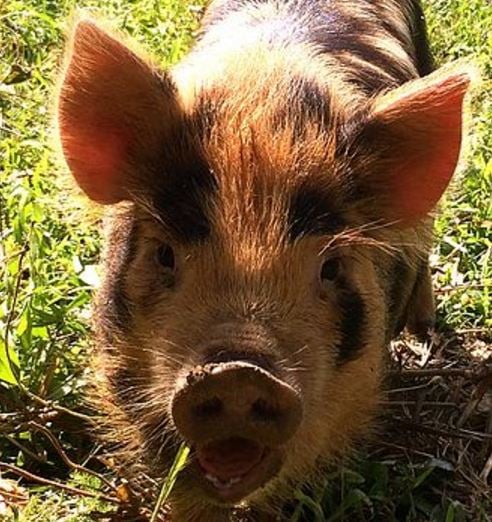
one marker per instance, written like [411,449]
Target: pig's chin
[229,470]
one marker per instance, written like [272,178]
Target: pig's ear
[112,109]
[416,133]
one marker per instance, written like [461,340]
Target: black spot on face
[115,307]
[118,306]
[311,211]
[352,322]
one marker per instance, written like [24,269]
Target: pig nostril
[263,411]
[236,399]
[210,408]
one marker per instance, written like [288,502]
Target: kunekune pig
[270,200]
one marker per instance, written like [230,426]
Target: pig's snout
[235,399]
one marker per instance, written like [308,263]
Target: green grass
[47,257]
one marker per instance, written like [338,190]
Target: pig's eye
[330,269]
[165,257]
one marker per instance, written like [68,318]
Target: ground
[431,458]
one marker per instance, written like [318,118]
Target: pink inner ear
[97,161]
[422,179]
[97,101]
[429,132]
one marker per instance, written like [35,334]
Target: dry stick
[27,451]
[70,463]
[448,289]
[56,407]
[472,330]
[13,498]
[471,407]
[405,449]
[445,372]
[437,404]
[460,434]
[411,388]
[16,421]
[466,477]
[47,482]
[484,475]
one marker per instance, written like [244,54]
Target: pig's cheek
[145,287]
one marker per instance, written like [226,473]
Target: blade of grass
[167,486]
[310,503]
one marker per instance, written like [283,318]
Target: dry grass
[439,407]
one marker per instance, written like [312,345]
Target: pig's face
[264,250]
[268,284]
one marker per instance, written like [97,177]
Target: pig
[269,219]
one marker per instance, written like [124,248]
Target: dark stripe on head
[352,323]
[425,61]
[367,78]
[312,211]
[208,104]
[354,44]
[305,101]
[182,201]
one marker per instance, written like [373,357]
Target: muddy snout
[235,399]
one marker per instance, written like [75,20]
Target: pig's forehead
[266,179]
[253,185]
[263,159]
[277,163]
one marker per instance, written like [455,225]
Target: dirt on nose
[235,400]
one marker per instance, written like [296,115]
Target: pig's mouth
[230,469]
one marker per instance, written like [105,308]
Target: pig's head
[260,216]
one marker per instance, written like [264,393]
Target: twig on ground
[436,404]
[484,475]
[27,451]
[472,330]
[472,374]
[70,463]
[47,482]
[449,289]
[471,407]
[409,388]
[405,449]
[57,407]
[460,434]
